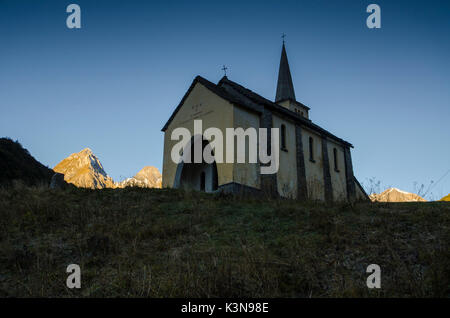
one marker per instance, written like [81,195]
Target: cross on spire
[224,69]
[283,37]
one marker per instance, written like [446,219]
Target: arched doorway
[196,176]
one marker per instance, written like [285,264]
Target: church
[314,164]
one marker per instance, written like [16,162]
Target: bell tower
[285,95]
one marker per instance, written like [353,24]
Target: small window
[283,137]
[311,149]
[335,160]
[202,181]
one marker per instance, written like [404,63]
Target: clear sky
[112,84]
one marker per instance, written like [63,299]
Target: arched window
[283,137]
[335,160]
[311,149]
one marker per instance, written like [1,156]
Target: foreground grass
[168,243]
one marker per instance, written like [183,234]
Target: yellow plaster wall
[214,111]
[287,173]
[314,170]
[338,179]
[247,174]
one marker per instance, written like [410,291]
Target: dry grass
[168,243]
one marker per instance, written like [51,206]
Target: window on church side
[335,160]
[202,181]
[283,137]
[311,149]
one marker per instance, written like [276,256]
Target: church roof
[243,97]
[285,88]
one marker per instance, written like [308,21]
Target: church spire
[285,88]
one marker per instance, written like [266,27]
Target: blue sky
[112,84]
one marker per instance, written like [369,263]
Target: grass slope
[446,198]
[168,243]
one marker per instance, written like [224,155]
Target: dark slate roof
[243,97]
[285,88]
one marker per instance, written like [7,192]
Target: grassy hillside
[446,198]
[16,163]
[167,243]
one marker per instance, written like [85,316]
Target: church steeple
[285,88]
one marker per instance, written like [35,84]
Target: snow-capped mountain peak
[396,195]
[84,169]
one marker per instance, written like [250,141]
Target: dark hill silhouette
[16,163]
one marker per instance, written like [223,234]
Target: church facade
[314,164]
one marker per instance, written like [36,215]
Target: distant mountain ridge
[148,177]
[396,195]
[85,170]
[16,163]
